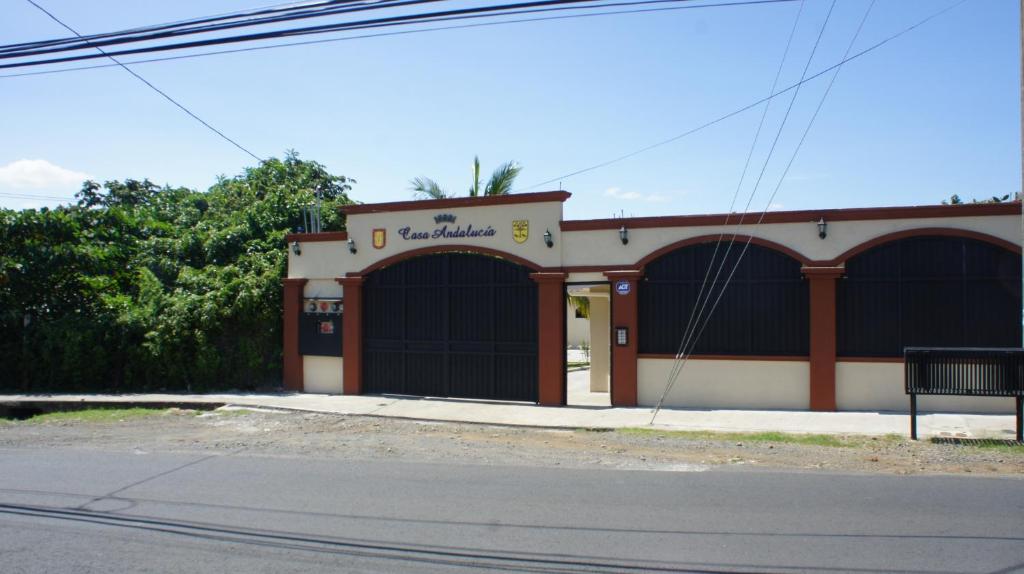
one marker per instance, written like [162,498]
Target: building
[467,298]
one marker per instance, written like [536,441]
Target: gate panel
[451,325]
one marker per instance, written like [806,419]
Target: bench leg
[913,417]
[1020,419]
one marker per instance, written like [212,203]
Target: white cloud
[617,193]
[39,174]
[775,206]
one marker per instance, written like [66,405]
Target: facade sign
[446,229]
[380,238]
[622,287]
[520,230]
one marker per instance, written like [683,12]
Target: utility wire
[172,31]
[688,341]
[33,196]
[168,25]
[736,112]
[687,332]
[782,177]
[417,31]
[154,88]
[251,14]
[459,14]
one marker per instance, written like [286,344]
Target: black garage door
[451,325]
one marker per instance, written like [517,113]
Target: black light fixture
[623,235]
[351,245]
[296,248]
[822,228]
[547,238]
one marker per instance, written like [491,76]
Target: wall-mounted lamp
[547,238]
[351,245]
[623,235]
[296,248]
[822,228]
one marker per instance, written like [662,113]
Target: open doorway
[588,344]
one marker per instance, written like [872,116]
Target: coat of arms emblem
[379,238]
[520,230]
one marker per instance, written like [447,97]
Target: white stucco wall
[322,374]
[543,216]
[577,330]
[725,384]
[319,260]
[602,247]
[880,387]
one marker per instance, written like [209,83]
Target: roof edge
[430,204]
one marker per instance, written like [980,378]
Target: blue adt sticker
[622,287]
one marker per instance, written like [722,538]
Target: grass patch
[765,437]
[101,415]
[577,364]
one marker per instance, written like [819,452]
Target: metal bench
[973,372]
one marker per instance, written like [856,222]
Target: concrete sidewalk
[521,414]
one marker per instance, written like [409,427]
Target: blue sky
[932,113]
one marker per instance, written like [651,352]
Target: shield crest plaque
[520,230]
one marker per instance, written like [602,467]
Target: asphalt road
[97,511]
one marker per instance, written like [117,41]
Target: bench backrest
[964,371]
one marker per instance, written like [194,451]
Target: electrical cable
[745,108]
[154,88]
[446,15]
[782,177]
[688,331]
[417,31]
[170,25]
[115,38]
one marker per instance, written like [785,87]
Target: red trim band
[728,357]
[808,216]
[713,238]
[314,237]
[922,232]
[434,249]
[428,204]
[869,360]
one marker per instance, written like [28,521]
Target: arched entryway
[451,325]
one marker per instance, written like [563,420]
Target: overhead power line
[704,289]
[399,20]
[688,340]
[154,88]
[782,177]
[202,26]
[414,31]
[745,108]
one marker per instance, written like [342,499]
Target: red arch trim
[921,232]
[435,249]
[713,238]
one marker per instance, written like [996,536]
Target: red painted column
[292,374]
[550,338]
[624,357]
[823,335]
[352,335]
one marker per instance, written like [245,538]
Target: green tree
[500,182]
[137,287]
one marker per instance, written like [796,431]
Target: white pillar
[600,351]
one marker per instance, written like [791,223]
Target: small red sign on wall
[326,327]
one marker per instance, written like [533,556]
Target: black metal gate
[451,325]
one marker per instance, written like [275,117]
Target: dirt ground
[335,436]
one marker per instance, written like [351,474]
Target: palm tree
[500,182]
